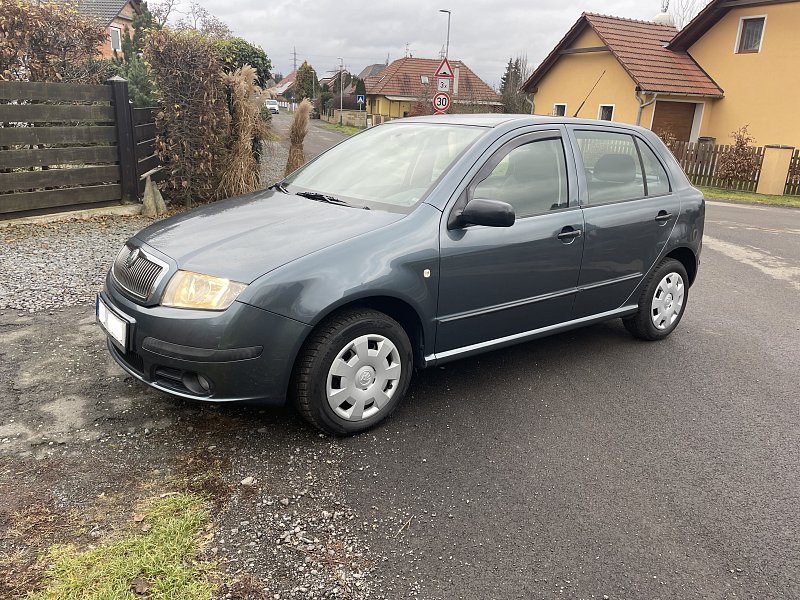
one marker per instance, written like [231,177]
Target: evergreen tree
[305,82]
[514,100]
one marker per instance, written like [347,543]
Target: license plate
[113,325]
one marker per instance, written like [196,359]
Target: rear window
[619,167]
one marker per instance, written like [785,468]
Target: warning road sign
[444,69]
[441,102]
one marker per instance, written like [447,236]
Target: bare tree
[162,10]
[198,18]
[684,11]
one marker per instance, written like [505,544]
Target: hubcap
[667,301]
[363,377]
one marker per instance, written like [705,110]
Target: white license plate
[113,325]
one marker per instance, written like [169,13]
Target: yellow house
[735,64]
[394,91]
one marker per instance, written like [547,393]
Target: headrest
[616,168]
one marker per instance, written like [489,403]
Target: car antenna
[589,94]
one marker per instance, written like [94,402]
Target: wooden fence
[699,162]
[67,146]
[793,177]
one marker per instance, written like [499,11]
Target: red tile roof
[640,47]
[402,78]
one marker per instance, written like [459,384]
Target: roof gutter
[643,105]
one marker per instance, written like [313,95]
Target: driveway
[583,465]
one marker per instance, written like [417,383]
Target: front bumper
[242,353]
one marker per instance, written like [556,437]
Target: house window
[559,110]
[606,112]
[751,32]
[116,39]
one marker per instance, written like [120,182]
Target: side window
[654,173]
[532,178]
[613,169]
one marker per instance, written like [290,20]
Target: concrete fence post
[775,169]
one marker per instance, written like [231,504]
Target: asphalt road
[592,464]
[318,138]
[582,465]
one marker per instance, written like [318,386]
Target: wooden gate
[68,146]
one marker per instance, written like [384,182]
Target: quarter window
[532,178]
[655,176]
[750,35]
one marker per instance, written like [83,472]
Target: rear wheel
[661,303]
[352,372]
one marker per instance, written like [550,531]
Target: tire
[352,372]
[662,302]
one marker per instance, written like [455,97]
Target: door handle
[568,234]
[663,216]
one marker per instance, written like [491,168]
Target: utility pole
[447,47]
[341,90]
[294,53]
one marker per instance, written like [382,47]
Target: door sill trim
[439,357]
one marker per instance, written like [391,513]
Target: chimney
[455,81]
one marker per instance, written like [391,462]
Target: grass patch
[159,561]
[345,129]
[749,197]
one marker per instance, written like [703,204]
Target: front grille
[135,272]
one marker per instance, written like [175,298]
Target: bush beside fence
[700,162]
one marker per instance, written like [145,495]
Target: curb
[128,210]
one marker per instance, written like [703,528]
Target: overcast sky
[483,33]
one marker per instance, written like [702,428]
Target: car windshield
[390,165]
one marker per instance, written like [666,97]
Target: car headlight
[203,292]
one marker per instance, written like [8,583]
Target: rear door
[497,282]
[629,212]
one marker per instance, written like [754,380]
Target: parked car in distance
[273,106]
[411,244]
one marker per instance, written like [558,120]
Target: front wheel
[352,372]
[661,303]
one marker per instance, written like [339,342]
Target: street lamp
[447,47]
[341,90]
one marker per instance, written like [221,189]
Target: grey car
[411,244]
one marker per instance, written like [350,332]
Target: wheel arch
[398,309]
[687,258]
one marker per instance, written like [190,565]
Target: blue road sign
[360,99]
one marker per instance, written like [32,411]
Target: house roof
[709,16]
[284,84]
[104,10]
[371,70]
[640,47]
[402,78]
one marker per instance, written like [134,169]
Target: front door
[498,282]
[629,211]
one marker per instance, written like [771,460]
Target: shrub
[47,41]
[741,161]
[194,119]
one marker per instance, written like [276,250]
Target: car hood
[246,237]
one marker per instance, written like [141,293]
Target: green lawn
[749,197]
[160,561]
[345,129]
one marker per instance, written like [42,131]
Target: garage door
[676,117]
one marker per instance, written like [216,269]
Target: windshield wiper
[327,199]
[280,187]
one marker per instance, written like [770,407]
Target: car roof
[495,120]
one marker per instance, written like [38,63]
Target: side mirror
[492,213]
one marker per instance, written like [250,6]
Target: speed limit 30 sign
[441,102]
